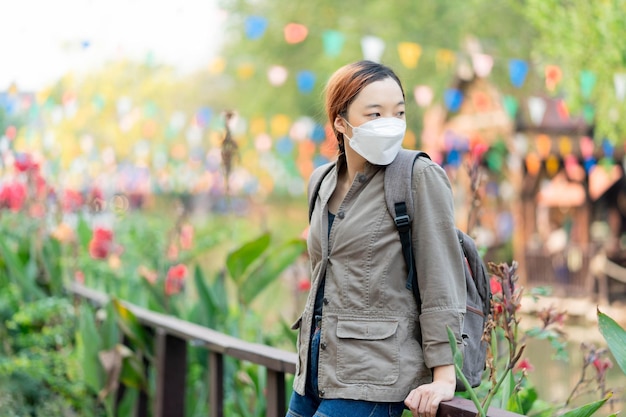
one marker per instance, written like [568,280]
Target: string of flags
[410,54]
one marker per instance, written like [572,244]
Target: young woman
[358,342]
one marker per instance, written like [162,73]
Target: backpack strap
[315,182]
[399,198]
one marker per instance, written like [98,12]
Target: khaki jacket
[369,348]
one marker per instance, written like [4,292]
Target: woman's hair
[346,83]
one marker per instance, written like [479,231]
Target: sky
[40,40]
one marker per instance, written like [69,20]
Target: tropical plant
[506,385]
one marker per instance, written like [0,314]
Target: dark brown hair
[346,83]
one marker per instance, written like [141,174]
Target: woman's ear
[340,124]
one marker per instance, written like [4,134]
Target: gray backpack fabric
[399,198]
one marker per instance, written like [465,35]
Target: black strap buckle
[402,222]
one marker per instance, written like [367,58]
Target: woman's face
[381,98]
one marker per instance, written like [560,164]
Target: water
[555,379]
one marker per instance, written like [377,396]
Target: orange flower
[175,280]
[63,233]
[148,274]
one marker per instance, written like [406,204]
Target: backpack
[399,198]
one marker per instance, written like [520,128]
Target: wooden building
[550,197]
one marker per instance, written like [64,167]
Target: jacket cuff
[435,344]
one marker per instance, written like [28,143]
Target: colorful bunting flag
[537,109]
[619,79]
[453,99]
[333,41]
[482,64]
[553,76]
[373,48]
[306,81]
[510,105]
[444,59]
[587,83]
[295,33]
[518,69]
[423,95]
[255,27]
[410,53]
[277,75]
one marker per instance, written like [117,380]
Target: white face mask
[379,140]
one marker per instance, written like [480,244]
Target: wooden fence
[173,336]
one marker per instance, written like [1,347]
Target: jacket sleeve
[439,262]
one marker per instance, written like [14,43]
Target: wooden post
[276,398]
[171,360]
[216,384]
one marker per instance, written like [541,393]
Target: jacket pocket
[367,351]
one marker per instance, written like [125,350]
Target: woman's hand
[424,400]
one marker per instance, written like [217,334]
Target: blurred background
[214,108]
[135,98]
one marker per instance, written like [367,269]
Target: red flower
[525,366]
[496,286]
[12,196]
[601,366]
[72,200]
[101,243]
[304,284]
[175,280]
[79,277]
[24,162]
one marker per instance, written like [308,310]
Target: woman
[358,347]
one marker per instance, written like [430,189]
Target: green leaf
[210,307]
[270,269]
[132,328]
[18,272]
[133,373]
[615,337]
[83,231]
[527,398]
[587,409]
[507,388]
[109,331]
[239,260]
[89,344]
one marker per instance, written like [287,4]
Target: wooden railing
[173,336]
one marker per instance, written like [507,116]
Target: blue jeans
[311,405]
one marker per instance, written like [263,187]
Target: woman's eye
[401,113]
[373,115]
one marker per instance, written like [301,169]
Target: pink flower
[101,243]
[186,237]
[175,279]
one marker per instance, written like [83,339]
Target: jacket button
[322,392]
[323,346]
[341,214]
[325,301]
[361,178]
